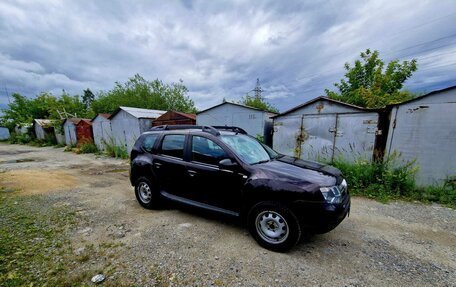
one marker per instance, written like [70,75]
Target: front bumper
[322,217]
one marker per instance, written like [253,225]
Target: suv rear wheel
[274,226]
[146,194]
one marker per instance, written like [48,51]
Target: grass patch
[36,250]
[389,180]
[30,240]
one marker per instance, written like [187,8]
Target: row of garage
[121,128]
[421,130]
[323,129]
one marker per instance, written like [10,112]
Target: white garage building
[127,124]
[254,121]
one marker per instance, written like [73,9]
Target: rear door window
[149,142]
[173,145]
[207,151]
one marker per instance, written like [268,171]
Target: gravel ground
[401,244]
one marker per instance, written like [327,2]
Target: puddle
[21,160]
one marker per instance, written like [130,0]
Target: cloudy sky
[219,48]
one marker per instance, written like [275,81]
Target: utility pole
[258,89]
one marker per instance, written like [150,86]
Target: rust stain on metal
[84,133]
[320,107]
[301,137]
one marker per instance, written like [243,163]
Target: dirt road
[398,244]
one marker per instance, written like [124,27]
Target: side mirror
[227,163]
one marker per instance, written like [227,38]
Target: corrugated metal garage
[102,133]
[69,129]
[325,129]
[127,124]
[43,128]
[175,118]
[254,121]
[424,129]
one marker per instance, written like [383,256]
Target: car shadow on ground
[308,242]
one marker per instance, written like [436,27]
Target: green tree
[70,104]
[18,111]
[140,93]
[43,106]
[258,102]
[369,84]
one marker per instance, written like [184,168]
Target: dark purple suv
[225,170]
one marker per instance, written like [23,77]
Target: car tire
[146,194]
[274,226]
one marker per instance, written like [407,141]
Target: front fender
[141,166]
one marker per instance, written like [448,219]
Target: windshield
[249,149]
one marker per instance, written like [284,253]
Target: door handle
[157,164]
[192,172]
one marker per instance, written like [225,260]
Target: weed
[113,150]
[388,179]
[88,148]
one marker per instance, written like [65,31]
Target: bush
[88,148]
[115,151]
[387,179]
[20,138]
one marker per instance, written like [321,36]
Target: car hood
[288,168]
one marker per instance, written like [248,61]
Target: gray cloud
[218,48]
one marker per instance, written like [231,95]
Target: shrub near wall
[389,180]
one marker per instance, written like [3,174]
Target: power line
[319,74]
[7,94]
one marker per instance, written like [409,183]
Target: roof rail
[174,127]
[230,128]
[209,129]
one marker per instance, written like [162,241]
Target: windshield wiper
[261,161]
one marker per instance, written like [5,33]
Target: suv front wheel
[274,226]
[145,193]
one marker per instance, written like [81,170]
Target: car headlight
[333,194]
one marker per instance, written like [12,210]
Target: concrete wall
[102,132]
[60,138]
[425,130]
[125,130]
[254,122]
[69,129]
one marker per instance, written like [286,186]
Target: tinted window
[173,145]
[149,142]
[206,151]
